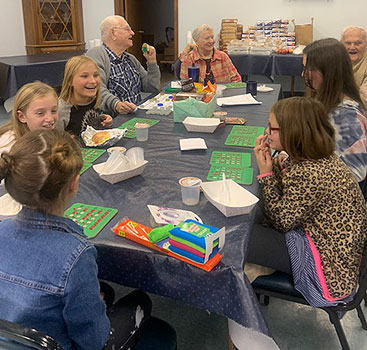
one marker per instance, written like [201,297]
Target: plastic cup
[190,190]
[135,155]
[142,131]
[117,148]
[193,72]
[251,87]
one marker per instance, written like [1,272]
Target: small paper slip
[193,143]
[176,84]
[246,99]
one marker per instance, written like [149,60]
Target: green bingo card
[89,156]
[244,136]
[91,217]
[239,174]
[130,126]
[235,85]
[230,159]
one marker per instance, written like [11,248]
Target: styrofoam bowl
[113,178]
[241,201]
[207,125]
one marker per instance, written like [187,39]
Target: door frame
[120,10]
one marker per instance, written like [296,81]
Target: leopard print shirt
[323,197]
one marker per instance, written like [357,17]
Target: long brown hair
[24,97]
[305,132]
[331,59]
[39,167]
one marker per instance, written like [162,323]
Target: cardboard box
[304,32]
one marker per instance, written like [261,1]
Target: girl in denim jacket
[48,269]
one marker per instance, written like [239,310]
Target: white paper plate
[263,88]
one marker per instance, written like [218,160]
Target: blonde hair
[39,167]
[305,132]
[24,97]
[198,30]
[71,68]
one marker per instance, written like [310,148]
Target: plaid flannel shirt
[222,67]
[124,80]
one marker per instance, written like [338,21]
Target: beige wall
[331,16]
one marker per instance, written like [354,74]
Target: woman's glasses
[271,129]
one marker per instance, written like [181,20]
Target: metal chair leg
[361,317]
[334,319]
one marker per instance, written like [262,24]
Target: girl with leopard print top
[314,199]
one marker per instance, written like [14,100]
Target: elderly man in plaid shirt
[122,75]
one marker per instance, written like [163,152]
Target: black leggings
[128,316]
[267,247]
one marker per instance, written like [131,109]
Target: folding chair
[280,285]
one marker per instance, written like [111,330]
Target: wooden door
[132,10]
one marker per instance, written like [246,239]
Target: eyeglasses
[355,43]
[272,129]
[127,28]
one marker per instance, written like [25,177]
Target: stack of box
[228,32]
[190,240]
[271,35]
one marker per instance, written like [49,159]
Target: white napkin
[192,143]
[246,99]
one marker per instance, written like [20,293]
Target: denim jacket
[48,280]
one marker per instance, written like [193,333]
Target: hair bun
[7,164]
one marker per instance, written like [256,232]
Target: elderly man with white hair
[123,78]
[355,41]
[215,65]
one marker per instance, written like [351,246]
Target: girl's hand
[125,107]
[280,159]
[106,120]
[263,155]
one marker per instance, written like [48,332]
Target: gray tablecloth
[16,71]
[225,290]
[269,66]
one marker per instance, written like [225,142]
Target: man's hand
[125,107]
[150,54]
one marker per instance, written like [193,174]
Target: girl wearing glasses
[313,203]
[329,76]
